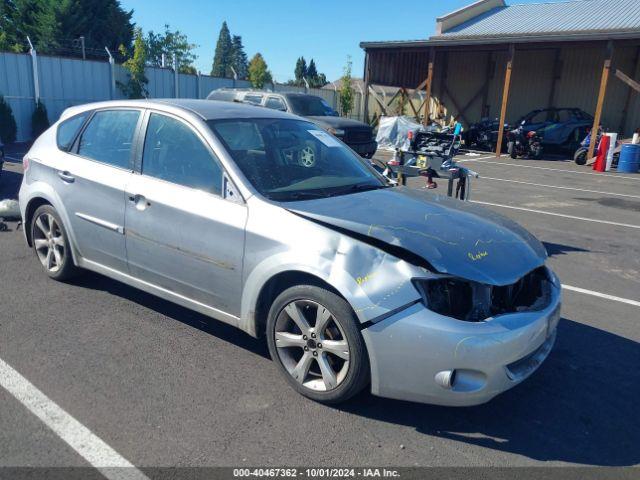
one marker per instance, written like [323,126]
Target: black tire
[66,269]
[357,372]
[537,153]
[580,157]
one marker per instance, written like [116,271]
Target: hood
[454,237]
[337,122]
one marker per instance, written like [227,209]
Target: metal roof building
[490,58]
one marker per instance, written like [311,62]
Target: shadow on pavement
[580,407]
[219,329]
[554,249]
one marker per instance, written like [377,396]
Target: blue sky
[283,30]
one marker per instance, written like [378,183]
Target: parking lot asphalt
[164,386]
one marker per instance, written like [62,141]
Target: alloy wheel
[312,345]
[49,242]
[307,157]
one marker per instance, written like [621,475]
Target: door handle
[140,201]
[66,177]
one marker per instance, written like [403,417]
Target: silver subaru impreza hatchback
[260,219]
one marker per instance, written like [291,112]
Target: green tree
[312,72]
[239,57]
[136,86]
[8,127]
[259,73]
[300,71]
[39,119]
[53,24]
[168,43]
[224,53]
[346,90]
[9,37]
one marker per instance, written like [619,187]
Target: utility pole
[34,64]
[84,55]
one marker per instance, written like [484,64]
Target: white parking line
[606,296]
[562,188]
[613,175]
[100,455]
[593,220]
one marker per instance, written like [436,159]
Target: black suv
[358,135]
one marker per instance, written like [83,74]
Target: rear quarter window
[68,130]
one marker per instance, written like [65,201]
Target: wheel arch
[47,196]
[256,319]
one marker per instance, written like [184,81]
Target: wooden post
[365,98]
[606,68]
[427,87]
[627,101]
[505,98]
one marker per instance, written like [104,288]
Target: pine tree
[259,73]
[300,71]
[223,56]
[239,57]
[312,73]
[8,127]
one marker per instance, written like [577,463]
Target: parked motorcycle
[521,143]
[484,134]
[580,157]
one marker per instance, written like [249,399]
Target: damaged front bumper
[421,356]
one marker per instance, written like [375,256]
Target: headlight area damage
[489,307]
[474,302]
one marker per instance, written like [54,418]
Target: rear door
[91,177]
[181,234]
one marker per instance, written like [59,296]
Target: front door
[181,234]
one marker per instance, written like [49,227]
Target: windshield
[289,160]
[310,106]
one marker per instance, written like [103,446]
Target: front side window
[293,160]
[109,136]
[174,152]
[68,130]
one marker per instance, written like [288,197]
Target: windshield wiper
[297,195]
[359,187]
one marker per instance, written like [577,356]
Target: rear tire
[580,157]
[314,339]
[51,244]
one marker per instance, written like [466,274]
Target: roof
[205,109]
[573,20]
[559,17]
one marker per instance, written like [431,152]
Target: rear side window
[68,130]
[108,137]
[253,99]
[276,104]
[174,152]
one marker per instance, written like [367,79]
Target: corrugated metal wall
[65,82]
[576,86]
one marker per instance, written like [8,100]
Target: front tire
[314,339]
[51,244]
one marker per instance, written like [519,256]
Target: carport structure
[495,60]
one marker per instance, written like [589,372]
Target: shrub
[8,128]
[39,119]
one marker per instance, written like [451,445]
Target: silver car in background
[260,219]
